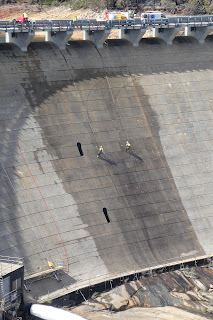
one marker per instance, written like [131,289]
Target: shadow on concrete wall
[148,222]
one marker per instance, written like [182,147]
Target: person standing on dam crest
[25,15]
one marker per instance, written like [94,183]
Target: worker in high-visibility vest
[106,16]
[25,16]
[128,145]
[100,151]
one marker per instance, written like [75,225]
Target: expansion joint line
[42,199]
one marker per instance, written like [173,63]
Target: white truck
[150,16]
[122,15]
[146,17]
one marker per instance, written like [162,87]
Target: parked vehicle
[21,19]
[122,15]
[150,16]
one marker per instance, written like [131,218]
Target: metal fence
[8,300]
[58,264]
[87,280]
[93,24]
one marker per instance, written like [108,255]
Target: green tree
[197,6]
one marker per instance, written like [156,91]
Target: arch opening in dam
[158,197]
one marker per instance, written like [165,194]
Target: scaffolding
[9,296]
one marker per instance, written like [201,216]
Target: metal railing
[93,24]
[86,280]
[8,300]
[33,272]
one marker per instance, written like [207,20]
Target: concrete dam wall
[158,198]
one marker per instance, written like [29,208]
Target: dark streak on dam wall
[158,197]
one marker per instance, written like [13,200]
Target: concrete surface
[6,268]
[158,198]
[170,313]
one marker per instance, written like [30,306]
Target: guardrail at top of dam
[93,24]
[97,31]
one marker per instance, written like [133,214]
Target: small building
[11,286]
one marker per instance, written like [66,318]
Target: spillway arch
[52,101]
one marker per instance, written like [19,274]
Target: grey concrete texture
[158,197]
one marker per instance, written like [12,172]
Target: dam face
[158,197]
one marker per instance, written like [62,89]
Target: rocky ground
[186,294]
[44,12]
[165,313]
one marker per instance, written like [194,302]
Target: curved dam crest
[158,197]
